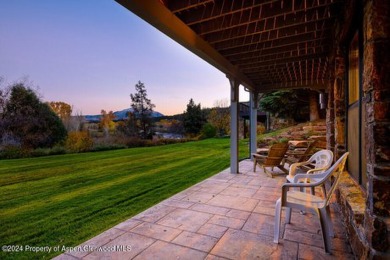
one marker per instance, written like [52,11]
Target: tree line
[27,124]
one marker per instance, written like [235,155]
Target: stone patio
[228,216]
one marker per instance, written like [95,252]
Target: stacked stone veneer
[366,213]
[376,89]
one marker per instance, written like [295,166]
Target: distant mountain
[119,115]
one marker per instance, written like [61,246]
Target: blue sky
[91,53]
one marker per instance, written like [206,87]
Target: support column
[339,104]
[253,121]
[376,103]
[234,93]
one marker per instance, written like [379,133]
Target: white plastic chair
[318,162]
[309,202]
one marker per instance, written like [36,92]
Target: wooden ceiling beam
[180,6]
[279,78]
[294,42]
[227,7]
[285,30]
[286,19]
[265,9]
[268,64]
[270,87]
[263,44]
[266,73]
[260,48]
[255,72]
[273,57]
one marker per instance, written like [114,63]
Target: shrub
[260,129]
[208,131]
[79,141]
[56,150]
[261,142]
[135,142]
[14,152]
[107,147]
[29,121]
[40,152]
[283,140]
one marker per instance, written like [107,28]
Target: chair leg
[281,167]
[288,215]
[324,229]
[269,174]
[254,164]
[278,216]
[323,189]
[329,222]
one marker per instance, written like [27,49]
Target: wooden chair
[274,158]
[300,155]
[303,201]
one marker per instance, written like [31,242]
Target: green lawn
[67,199]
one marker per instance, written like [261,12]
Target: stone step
[318,137]
[314,128]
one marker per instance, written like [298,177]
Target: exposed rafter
[265,44]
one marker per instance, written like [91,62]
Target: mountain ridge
[119,115]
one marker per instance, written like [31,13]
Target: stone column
[339,104]
[330,114]
[376,102]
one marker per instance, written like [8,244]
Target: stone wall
[366,213]
[376,101]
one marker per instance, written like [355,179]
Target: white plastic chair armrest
[287,186]
[314,176]
[316,170]
[293,168]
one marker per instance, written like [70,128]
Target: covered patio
[337,48]
[228,216]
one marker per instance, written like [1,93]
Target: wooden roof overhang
[264,44]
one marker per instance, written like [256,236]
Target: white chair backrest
[322,159]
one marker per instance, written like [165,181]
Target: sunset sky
[91,53]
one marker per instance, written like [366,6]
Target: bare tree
[219,117]
[63,111]
[106,121]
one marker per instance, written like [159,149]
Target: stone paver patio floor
[228,216]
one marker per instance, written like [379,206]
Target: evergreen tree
[289,104]
[142,109]
[193,118]
[280,103]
